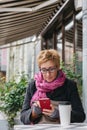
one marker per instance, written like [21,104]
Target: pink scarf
[43,86]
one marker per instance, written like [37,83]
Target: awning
[20,19]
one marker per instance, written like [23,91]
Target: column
[84,20]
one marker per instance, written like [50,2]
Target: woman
[50,83]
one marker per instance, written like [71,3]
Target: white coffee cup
[64,113]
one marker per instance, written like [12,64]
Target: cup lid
[64,103]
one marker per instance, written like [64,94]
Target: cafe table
[72,126]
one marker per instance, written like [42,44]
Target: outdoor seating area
[26,28]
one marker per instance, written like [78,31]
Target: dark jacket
[67,92]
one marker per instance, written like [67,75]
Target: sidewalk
[3,122]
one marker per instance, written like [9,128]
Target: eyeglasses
[50,70]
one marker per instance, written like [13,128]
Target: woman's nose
[47,73]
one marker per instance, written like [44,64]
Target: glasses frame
[50,70]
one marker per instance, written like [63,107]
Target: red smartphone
[45,103]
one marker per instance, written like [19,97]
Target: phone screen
[45,103]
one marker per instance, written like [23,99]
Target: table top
[73,126]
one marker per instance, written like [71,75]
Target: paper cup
[64,113]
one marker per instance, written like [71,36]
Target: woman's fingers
[48,112]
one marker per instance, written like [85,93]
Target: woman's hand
[36,110]
[48,112]
[52,114]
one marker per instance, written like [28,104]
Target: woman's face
[49,70]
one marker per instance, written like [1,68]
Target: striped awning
[24,18]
